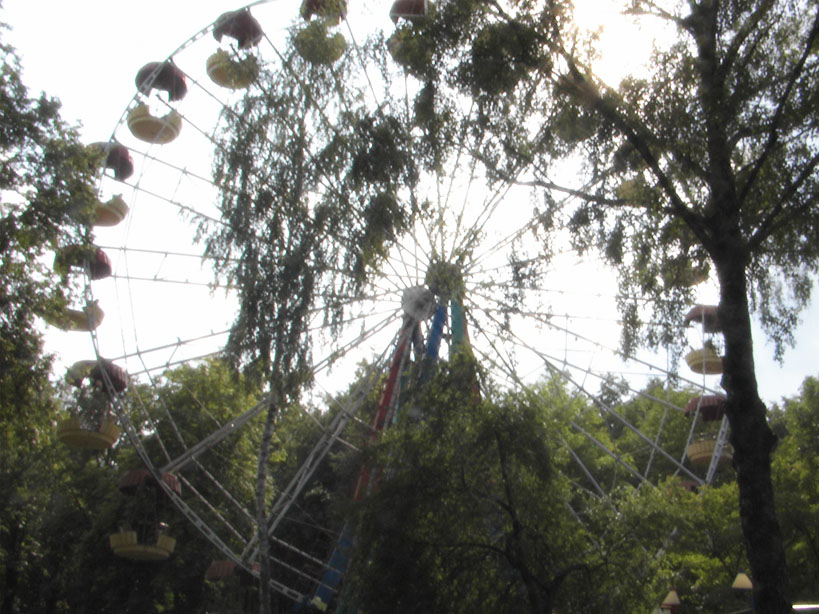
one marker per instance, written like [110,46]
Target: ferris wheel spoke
[589,476]
[148,419]
[462,228]
[414,262]
[609,410]
[516,235]
[485,215]
[212,509]
[453,188]
[362,317]
[287,498]
[548,361]
[372,331]
[549,321]
[292,568]
[481,264]
[139,353]
[605,449]
[365,299]
[362,61]
[216,437]
[184,282]
[228,496]
[653,451]
[171,165]
[158,252]
[600,374]
[182,207]
[286,61]
[511,373]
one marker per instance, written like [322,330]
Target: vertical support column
[339,559]
[436,332]
[460,337]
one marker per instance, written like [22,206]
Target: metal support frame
[722,438]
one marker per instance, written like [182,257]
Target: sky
[87,52]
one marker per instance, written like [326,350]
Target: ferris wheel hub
[418,303]
[445,280]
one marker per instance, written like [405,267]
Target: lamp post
[743,583]
[671,603]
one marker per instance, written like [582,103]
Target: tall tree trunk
[514,542]
[536,599]
[752,439]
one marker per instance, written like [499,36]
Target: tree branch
[773,131]
[463,545]
[770,224]
[586,196]
[587,94]
[545,183]
[749,27]
[704,29]
[653,10]
[554,584]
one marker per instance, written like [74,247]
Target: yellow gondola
[71,432]
[705,361]
[125,544]
[110,213]
[87,319]
[233,74]
[157,130]
[700,453]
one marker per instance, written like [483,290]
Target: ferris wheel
[331,98]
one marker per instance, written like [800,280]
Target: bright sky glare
[86,53]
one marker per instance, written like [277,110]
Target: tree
[46,188]
[64,503]
[308,207]
[707,162]
[222,483]
[794,465]
[438,531]
[471,513]
[688,539]
[44,172]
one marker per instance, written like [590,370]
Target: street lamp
[743,583]
[671,603]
